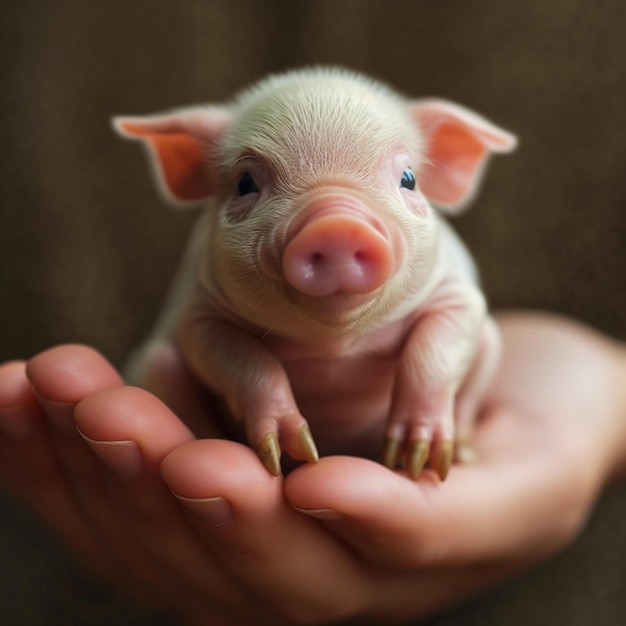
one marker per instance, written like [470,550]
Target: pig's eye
[408,179]
[246,184]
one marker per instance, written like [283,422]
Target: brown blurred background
[87,247]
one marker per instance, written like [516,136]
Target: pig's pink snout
[337,254]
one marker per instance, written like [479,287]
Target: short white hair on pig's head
[319,122]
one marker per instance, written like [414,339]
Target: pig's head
[322,183]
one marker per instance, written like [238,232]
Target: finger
[21,415]
[483,511]
[65,374]
[131,431]
[285,560]
[291,569]
[61,377]
[30,469]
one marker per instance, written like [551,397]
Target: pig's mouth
[337,309]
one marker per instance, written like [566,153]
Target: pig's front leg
[435,361]
[254,384]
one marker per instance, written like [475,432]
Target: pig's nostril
[364,261]
[311,267]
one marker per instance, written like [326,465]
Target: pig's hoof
[392,452]
[300,447]
[269,453]
[418,453]
[441,459]
[417,456]
[305,446]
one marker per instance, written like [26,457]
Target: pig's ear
[180,145]
[457,146]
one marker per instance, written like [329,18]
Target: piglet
[321,281]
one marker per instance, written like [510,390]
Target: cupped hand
[339,541]
[551,434]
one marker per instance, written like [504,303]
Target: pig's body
[320,283]
[343,384]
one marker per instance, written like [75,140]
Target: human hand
[372,543]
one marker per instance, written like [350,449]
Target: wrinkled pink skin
[348,305]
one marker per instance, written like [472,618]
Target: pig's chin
[335,311]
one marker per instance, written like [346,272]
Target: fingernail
[123,457]
[16,423]
[326,515]
[216,511]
